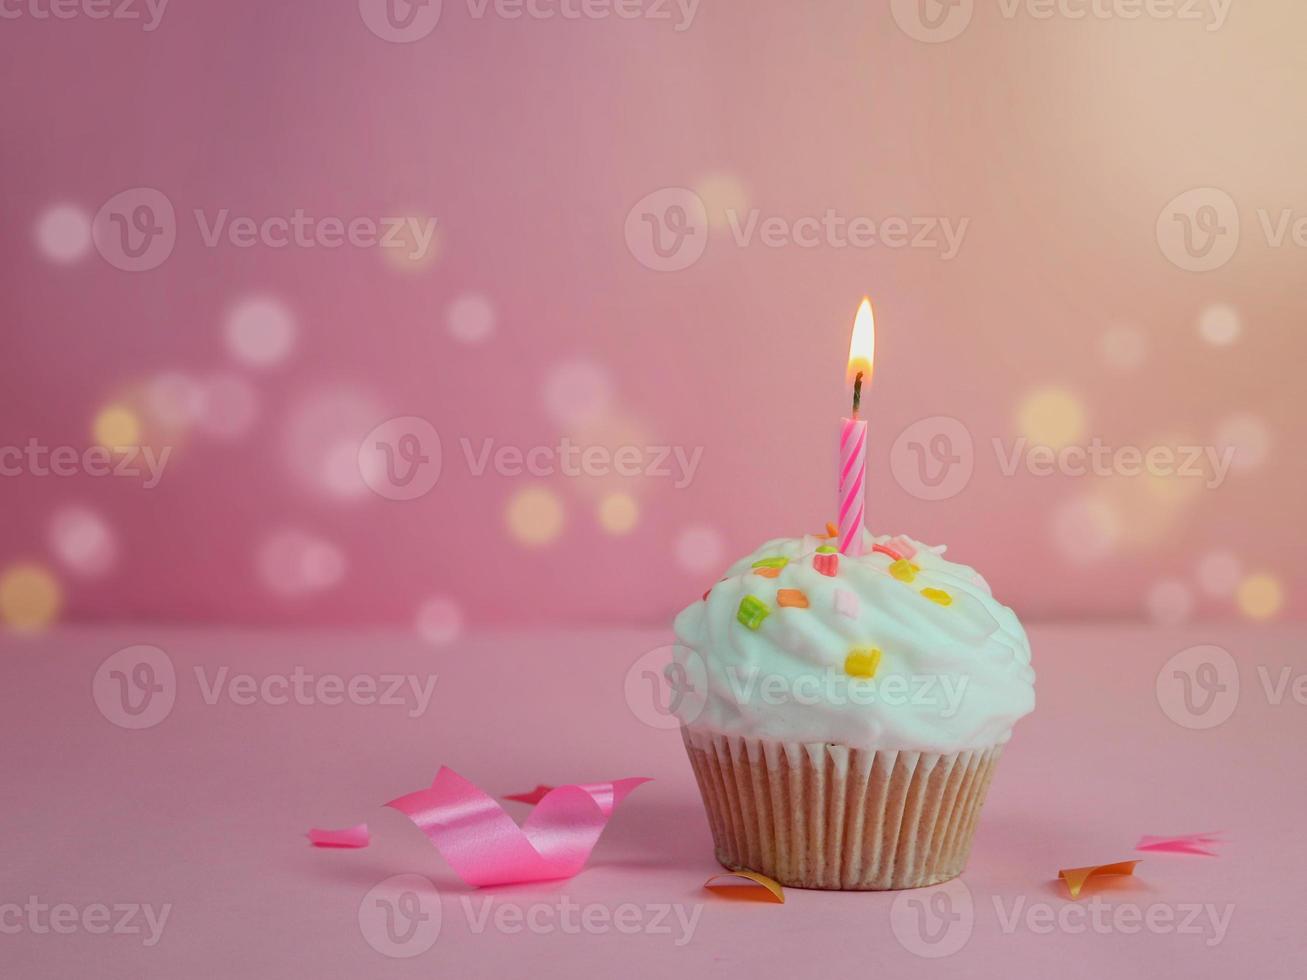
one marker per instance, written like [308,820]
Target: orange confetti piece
[767,572]
[938,595]
[904,570]
[742,893]
[791,597]
[1075,878]
[862,663]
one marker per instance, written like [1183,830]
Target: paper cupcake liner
[830,816]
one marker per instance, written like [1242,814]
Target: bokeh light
[1085,529]
[618,513]
[30,597]
[700,550]
[322,434]
[1248,435]
[293,563]
[1218,574]
[117,427]
[228,406]
[174,400]
[1260,596]
[722,195]
[1052,417]
[534,516]
[410,250]
[63,233]
[83,541]
[1220,325]
[439,620]
[577,392]
[1170,603]
[470,319]
[260,332]
[1123,348]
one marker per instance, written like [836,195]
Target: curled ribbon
[1184,844]
[485,847]
[356,836]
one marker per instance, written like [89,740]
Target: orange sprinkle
[791,597]
[831,530]
[766,572]
[938,595]
[862,663]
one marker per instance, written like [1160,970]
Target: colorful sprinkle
[831,530]
[791,597]
[887,551]
[862,663]
[827,564]
[847,603]
[904,570]
[752,612]
[767,572]
[771,563]
[707,592]
[903,546]
[827,549]
[938,595]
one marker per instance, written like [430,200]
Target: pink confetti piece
[485,847]
[847,603]
[1184,844]
[532,796]
[903,546]
[356,836]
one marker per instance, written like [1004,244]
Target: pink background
[1060,141]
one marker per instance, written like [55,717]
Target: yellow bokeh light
[618,513]
[413,246]
[117,427]
[535,516]
[1260,596]
[30,597]
[1052,417]
[722,196]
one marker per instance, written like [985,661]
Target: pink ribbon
[485,847]
[1184,844]
[356,836]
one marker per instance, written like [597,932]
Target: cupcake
[844,715]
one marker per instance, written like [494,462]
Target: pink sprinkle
[903,546]
[847,604]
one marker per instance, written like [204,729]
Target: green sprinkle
[752,612]
[771,563]
[826,549]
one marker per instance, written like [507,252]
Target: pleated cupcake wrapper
[829,816]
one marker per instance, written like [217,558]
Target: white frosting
[950,677]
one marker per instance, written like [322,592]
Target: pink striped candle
[853,483]
[853,434]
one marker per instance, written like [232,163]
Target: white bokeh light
[1248,435]
[228,405]
[321,438]
[439,620]
[1220,325]
[1123,348]
[577,392]
[700,549]
[1085,529]
[1219,574]
[293,563]
[1170,603]
[260,332]
[174,400]
[470,319]
[83,541]
[63,233]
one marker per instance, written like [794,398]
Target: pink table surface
[205,813]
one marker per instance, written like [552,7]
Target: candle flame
[862,348]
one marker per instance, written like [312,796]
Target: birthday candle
[853,435]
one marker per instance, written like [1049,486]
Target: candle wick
[857,394]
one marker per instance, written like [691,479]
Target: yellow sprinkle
[904,570]
[938,595]
[862,663]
